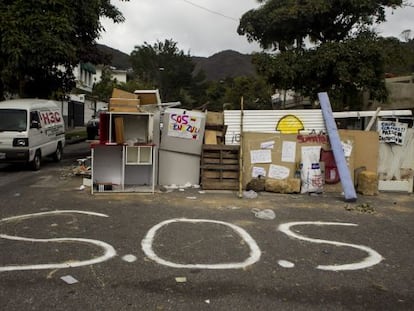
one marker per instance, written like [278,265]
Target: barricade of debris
[83,167]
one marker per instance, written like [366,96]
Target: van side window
[34,120]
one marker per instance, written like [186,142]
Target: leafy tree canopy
[164,66]
[226,94]
[345,57]
[103,89]
[399,56]
[42,40]
[284,23]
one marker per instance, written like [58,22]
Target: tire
[35,164]
[57,156]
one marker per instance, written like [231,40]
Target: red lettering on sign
[313,138]
[180,119]
[57,116]
[51,117]
[45,118]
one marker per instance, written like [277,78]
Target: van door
[37,136]
[53,127]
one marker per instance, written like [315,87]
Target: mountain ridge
[219,66]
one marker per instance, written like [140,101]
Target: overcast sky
[202,27]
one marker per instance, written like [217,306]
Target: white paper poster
[289,151]
[184,126]
[267,145]
[278,172]
[392,132]
[261,156]
[347,147]
[258,171]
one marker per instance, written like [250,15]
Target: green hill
[225,64]
[119,60]
[216,67]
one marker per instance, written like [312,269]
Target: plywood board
[124,105]
[148,98]
[279,156]
[119,130]
[215,118]
[210,137]
[254,142]
[366,145]
[117,93]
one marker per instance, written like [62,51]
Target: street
[62,248]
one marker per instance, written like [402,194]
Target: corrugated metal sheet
[266,121]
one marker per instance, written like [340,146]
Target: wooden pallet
[220,167]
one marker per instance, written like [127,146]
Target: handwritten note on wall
[267,145]
[347,147]
[184,126]
[392,132]
[258,171]
[278,172]
[261,156]
[288,151]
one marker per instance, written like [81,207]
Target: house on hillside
[288,99]
[80,105]
[400,96]
[75,109]
[119,75]
[401,90]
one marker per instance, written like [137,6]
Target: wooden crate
[214,118]
[117,93]
[220,167]
[124,105]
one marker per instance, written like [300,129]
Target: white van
[29,130]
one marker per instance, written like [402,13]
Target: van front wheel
[35,164]
[57,156]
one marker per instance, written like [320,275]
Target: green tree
[165,67]
[102,90]
[399,56]
[42,41]
[256,93]
[215,93]
[284,24]
[345,56]
[226,94]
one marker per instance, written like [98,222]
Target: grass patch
[76,134]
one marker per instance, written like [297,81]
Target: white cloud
[202,32]
[397,21]
[199,31]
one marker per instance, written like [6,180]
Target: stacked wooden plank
[122,101]
[139,101]
[220,167]
[215,130]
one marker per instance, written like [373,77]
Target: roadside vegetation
[308,47]
[78,134]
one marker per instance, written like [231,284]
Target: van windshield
[13,120]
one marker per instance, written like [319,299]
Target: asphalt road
[186,250]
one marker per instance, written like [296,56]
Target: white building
[81,106]
[117,74]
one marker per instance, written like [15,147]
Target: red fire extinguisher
[331,171]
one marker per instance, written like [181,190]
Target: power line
[210,11]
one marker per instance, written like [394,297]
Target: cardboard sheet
[363,147]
